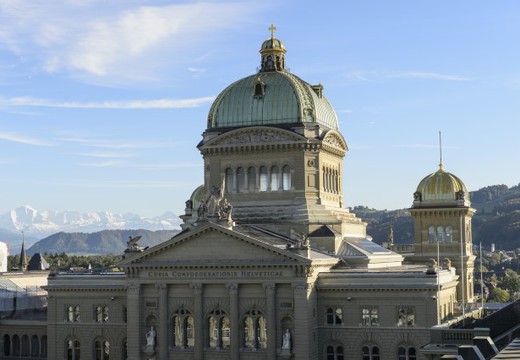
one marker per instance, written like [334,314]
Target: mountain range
[37,225]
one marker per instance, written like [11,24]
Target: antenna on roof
[440,150]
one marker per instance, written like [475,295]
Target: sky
[102,103]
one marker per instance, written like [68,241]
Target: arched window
[16,345]
[35,346]
[335,353]
[25,345]
[449,234]
[275,183]
[404,353]
[431,235]
[102,350]
[219,330]
[183,329]
[259,89]
[7,345]
[72,349]
[370,353]
[251,178]
[255,330]
[230,184]
[241,179]
[440,234]
[43,346]
[263,178]
[286,178]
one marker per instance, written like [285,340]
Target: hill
[98,243]
[497,219]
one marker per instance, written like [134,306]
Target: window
[370,353]
[449,234]
[431,235]
[219,330]
[241,180]
[286,178]
[35,346]
[72,313]
[334,316]
[440,234]
[255,330]
[25,345]
[335,353]
[263,178]
[101,314]
[406,316]
[16,345]
[251,178]
[72,349]
[275,184]
[183,329]
[43,347]
[102,350]
[7,345]
[230,184]
[369,316]
[404,353]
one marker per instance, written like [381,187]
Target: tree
[499,295]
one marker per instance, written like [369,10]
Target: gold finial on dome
[272,28]
[440,150]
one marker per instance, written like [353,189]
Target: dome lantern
[272,54]
[441,188]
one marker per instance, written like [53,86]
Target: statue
[202,211]
[224,211]
[150,337]
[447,264]
[286,340]
[132,243]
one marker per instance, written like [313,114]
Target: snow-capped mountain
[40,224]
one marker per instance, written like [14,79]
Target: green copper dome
[273,96]
[441,187]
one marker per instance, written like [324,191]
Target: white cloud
[130,104]
[114,144]
[102,164]
[22,139]
[106,155]
[119,39]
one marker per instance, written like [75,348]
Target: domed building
[442,215]
[269,263]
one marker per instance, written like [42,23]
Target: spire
[440,151]
[272,28]
[23,255]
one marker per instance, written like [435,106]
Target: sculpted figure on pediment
[335,140]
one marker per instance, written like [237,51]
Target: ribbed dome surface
[197,197]
[272,43]
[442,186]
[285,99]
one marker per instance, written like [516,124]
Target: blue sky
[103,102]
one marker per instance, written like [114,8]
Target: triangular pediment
[335,139]
[212,244]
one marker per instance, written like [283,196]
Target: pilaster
[270,294]
[234,319]
[199,321]
[162,336]
[301,330]
[134,338]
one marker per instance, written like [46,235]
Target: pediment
[255,135]
[212,244]
[334,139]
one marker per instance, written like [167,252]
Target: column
[270,294]
[301,331]
[199,321]
[133,327]
[162,331]
[234,320]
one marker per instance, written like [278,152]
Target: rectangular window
[405,316]
[369,316]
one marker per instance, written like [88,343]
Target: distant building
[4,252]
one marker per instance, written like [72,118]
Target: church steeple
[23,257]
[273,53]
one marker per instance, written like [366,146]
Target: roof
[441,187]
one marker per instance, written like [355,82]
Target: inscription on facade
[189,274]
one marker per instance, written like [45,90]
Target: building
[269,264]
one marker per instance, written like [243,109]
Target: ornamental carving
[255,136]
[335,141]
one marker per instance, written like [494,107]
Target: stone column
[234,320]
[199,321]
[162,331]
[270,294]
[301,330]
[135,340]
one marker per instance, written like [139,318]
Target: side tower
[272,143]
[442,215]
